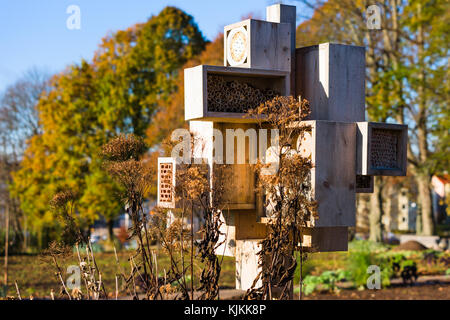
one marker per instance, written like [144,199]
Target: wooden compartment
[381,149]
[234,182]
[224,94]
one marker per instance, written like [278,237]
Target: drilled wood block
[225,94]
[258,44]
[381,149]
[166,182]
[169,174]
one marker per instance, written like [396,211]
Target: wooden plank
[282,13]
[248,225]
[235,182]
[326,239]
[247,267]
[228,235]
[321,239]
[333,175]
[332,149]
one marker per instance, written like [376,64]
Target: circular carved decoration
[237,46]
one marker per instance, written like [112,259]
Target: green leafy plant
[363,254]
[325,282]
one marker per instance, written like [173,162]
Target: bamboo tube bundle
[235,96]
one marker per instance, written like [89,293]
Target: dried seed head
[61,198]
[123,148]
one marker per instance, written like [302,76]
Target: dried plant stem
[192,251]
[97,270]
[122,272]
[17,290]
[59,274]
[134,282]
[117,287]
[84,277]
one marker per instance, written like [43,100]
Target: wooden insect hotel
[260,62]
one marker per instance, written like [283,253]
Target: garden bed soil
[410,246]
[427,288]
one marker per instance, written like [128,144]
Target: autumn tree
[132,72]
[18,122]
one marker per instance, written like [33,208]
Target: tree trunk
[6,248]
[110,230]
[423,183]
[376,211]
[422,174]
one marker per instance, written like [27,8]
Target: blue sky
[34,33]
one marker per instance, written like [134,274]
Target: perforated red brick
[165,182]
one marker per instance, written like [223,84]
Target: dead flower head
[61,198]
[123,148]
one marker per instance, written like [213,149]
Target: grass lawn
[35,275]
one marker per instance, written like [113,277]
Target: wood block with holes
[258,44]
[225,94]
[381,149]
[169,172]
[166,182]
